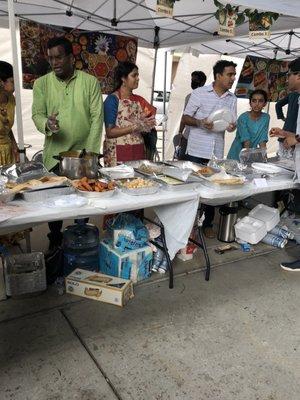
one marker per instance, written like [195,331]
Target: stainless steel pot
[76,164]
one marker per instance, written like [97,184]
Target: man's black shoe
[291,266]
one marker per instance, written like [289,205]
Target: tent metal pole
[153,75]
[13,36]
[164,106]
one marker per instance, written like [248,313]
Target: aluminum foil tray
[148,168]
[140,191]
[176,186]
[47,193]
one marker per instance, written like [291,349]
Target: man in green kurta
[67,108]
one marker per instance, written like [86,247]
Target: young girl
[252,126]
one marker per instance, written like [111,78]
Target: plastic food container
[269,215]
[25,273]
[250,230]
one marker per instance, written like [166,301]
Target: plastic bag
[249,156]
[139,234]
[229,166]
[23,172]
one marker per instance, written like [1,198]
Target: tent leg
[13,36]
[153,76]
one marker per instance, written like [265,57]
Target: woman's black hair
[261,92]
[122,71]
[6,71]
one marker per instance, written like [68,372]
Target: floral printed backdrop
[95,52]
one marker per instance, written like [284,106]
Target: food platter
[138,186]
[95,188]
[224,181]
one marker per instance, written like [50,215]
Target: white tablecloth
[175,209]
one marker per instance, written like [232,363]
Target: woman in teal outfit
[252,126]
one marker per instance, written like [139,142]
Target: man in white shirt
[203,142]
[290,139]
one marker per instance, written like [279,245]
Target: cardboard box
[95,286]
[132,264]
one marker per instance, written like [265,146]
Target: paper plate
[71,200]
[221,119]
[267,168]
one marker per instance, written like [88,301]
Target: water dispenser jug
[228,217]
[81,247]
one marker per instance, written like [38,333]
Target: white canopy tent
[193,22]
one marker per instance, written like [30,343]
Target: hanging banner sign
[260,27]
[260,73]
[96,53]
[164,8]
[227,21]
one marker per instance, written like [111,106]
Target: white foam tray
[250,230]
[269,215]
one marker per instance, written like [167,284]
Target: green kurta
[79,105]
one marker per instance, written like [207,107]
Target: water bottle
[275,241]
[81,247]
[157,259]
[282,232]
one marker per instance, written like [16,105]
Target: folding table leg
[164,248]
[170,266]
[204,248]
[202,243]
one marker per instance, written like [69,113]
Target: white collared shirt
[202,142]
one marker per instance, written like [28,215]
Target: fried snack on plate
[205,171]
[93,185]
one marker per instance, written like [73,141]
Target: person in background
[292,140]
[198,79]
[67,108]
[126,117]
[252,126]
[290,121]
[203,142]
[9,152]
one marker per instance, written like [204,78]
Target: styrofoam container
[269,215]
[250,230]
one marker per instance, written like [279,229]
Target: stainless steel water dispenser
[228,217]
